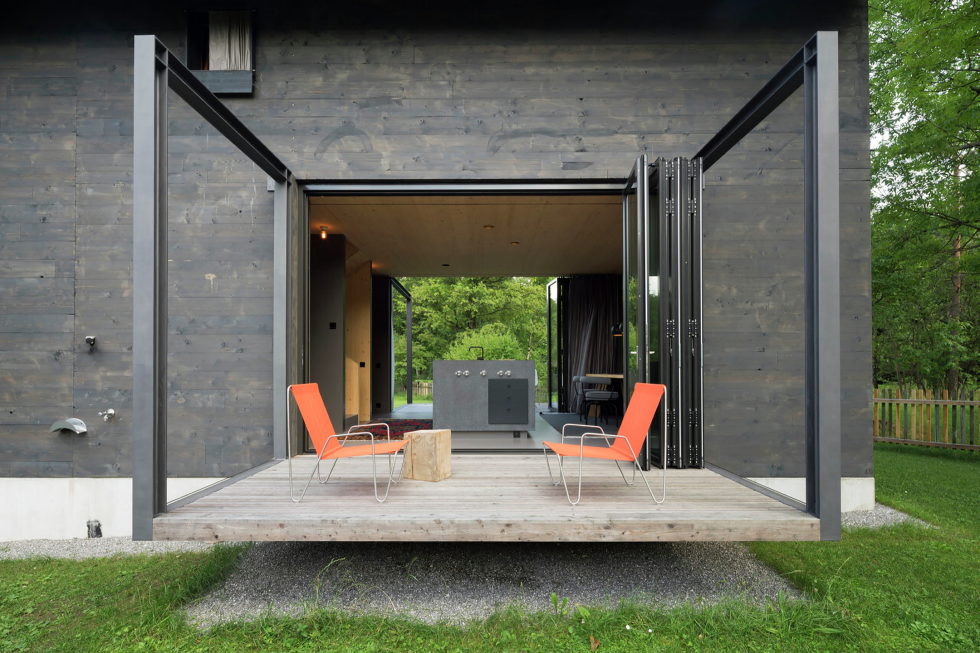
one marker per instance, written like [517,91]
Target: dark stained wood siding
[369,102]
[39,89]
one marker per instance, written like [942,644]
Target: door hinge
[693,329]
[670,327]
[693,418]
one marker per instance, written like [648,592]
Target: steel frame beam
[815,68]
[155,70]
[501,187]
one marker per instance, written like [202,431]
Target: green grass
[401,398]
[909,588]
[903,588]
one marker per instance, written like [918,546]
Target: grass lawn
[401,398]
[903,588]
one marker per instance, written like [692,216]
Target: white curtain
[230,40]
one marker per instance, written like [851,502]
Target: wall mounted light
[323,233]
[617,330]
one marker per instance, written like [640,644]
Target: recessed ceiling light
[515,242]
[445,265]
[488,227]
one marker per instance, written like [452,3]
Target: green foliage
[497,340]
[509,313]
[925,114]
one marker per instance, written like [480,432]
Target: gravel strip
[879,517]
[96,547]
[460,582]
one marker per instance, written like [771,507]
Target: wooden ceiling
[414,236]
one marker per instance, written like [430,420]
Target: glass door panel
[635,198]
[661,301]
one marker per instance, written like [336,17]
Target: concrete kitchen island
[475,395]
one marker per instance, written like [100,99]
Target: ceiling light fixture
[515,242]
[488,227]
[323,233]
[445,265]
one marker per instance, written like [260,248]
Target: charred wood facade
[381,94]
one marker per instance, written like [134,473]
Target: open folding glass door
[686,223]
[662,301]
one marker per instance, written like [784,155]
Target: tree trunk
[955,309]
[955,304]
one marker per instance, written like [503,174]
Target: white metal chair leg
[631,482]
[663,475]
[547,461]
[319,477]
[306,487]
[561,474]
[391,473]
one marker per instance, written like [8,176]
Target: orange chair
[331,446]
[623,447]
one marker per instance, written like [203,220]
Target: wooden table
[427,454]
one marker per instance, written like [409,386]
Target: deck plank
[488,498]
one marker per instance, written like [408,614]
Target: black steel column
[149,285]
[822,282]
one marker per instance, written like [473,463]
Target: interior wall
[357,343]
[328,281]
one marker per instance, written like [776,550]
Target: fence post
[874,413]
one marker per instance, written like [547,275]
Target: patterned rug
[398,427]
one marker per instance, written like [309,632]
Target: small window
[219,50]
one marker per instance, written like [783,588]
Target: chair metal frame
[608,437]
[343,438]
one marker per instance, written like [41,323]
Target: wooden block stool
[427,455]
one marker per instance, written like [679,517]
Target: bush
[496,339]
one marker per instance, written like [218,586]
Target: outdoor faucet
[482,352]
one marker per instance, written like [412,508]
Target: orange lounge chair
[623,447]
[331,446]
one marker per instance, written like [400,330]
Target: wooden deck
[488,498]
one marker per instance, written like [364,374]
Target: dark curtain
[594,309]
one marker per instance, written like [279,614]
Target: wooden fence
[926,419]
[422,388]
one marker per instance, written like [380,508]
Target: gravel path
[460,582]
[96,547]
[877,518]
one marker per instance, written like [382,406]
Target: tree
[448,311]
[925,113]
[497,340]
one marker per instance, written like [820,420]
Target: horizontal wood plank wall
[376,103]
[39,89]
[220,294]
